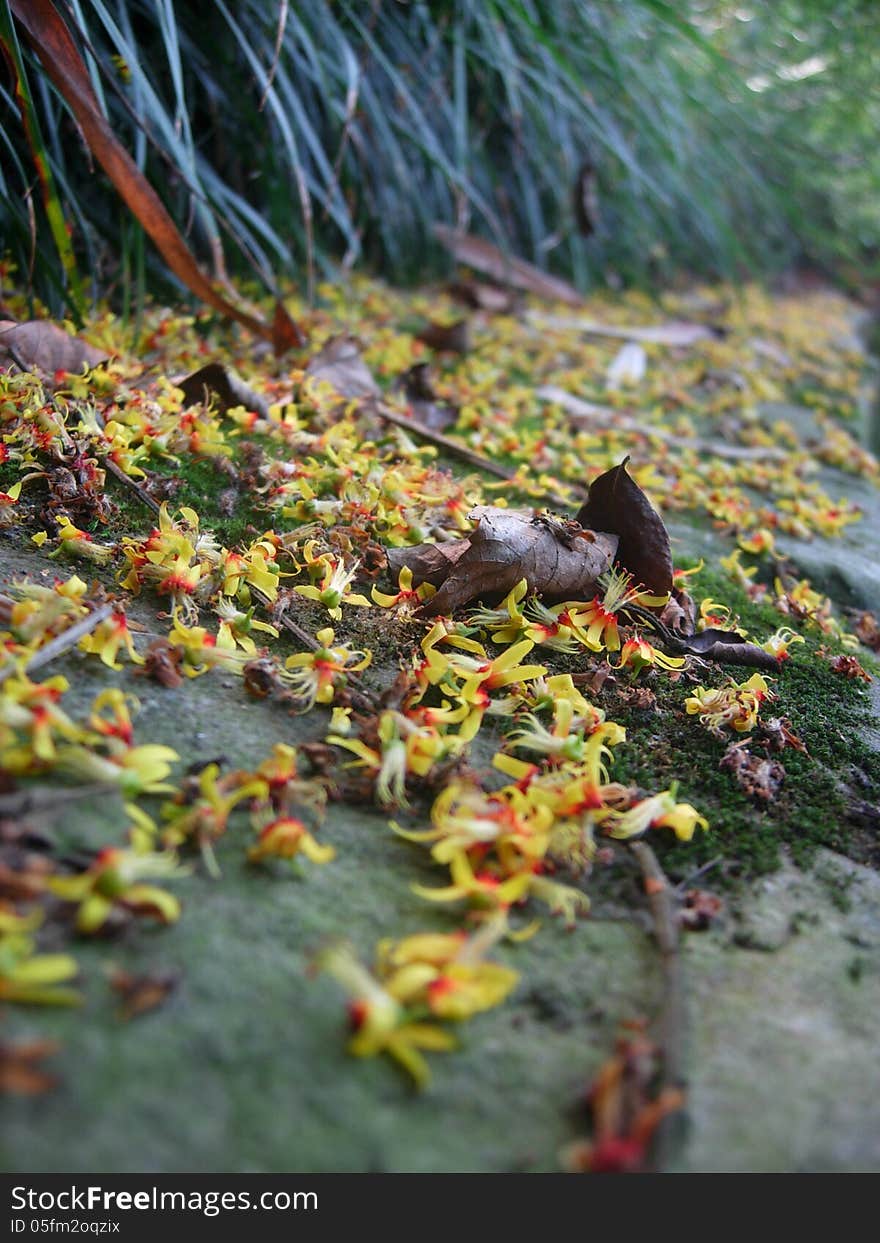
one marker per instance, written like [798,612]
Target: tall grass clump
[287,139]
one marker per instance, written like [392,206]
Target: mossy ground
[246,1066]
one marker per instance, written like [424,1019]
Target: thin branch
[62,642]
[700,871]
[24,802]
[288,623]
[118,473]
[455,449]
[359,698]
[671,1021]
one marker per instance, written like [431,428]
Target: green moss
[828,712]
[202,483]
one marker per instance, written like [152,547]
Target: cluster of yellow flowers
[527,833]
[501,847]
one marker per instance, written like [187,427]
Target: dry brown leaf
[592,415]
[617,504]
[425,405]
[453,338]
[483,297]
[40,345]
[680,614]
[728,648]
[142,993]
[673,333]
[627,367]
[225,385]
[849,667]
[868,631]
[162,664]
[759,776]
[20,1072]
[429,563]
[287,334]
[699,910]
[340,364]
[505,269]
[558,560]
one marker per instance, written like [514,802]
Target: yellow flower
[445,973]
[108,637]
[465,817]
[405,747]
[283,784]
[595,624]
[285,837]
[201,816]
[567,740]
[759,542]
[406,593]
[738,572]
[735,705]
[508,621]
[7,504]
[780,641]
[316,676]
[380,1024]
[236,627]
[112,885]
[77,543]
[638,654]
[485,890]
[659,811]
[31,979]
[333,589]
[32,709]
[135,770]
[203,651]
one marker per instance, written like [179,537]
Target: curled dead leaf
[430,410]
[45,31]
[558,560]
[453,338]
[40,345]
[618,505]
[727,647]
[222,382]
[20,1070]
[506,269]
[339,362]
[142,993]
[585,199]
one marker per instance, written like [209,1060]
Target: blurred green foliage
[728,139]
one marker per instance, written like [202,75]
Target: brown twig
[118,473]
[671,1021]
[455,449]
[23,802]
[62,642]
[360,699]
[283,620]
